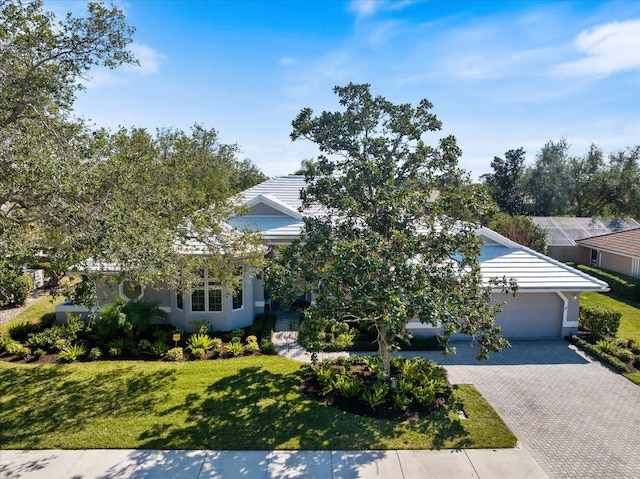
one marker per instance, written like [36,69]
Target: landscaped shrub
[267,346]
[174,354]
[4,340]
[58,336]
[95,354]
[597,352]
[21,331]
[621,285]
[158,348]
[14,288]
[624,355]
[251,346]
[200,341]
[263,325]
[197,353]
[234,349]
[14,348]
[416,383]
[38,353]
[71,353]
[607,346]
[120,346]
[598,318]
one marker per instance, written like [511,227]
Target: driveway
[576,417]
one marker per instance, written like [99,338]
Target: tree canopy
[381,250]
[129,197]
[558,184]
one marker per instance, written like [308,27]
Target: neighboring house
[619,252]
[563,233]
[545,307]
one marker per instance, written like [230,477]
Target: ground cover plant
[417,388]
[242,403]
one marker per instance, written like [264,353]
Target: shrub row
[595,350]
[598,318]
[621,285]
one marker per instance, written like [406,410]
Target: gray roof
[279,221]
[564,231]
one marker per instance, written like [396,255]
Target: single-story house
[619,252]
[545,307]
[564,232]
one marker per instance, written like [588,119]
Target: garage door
[532,316]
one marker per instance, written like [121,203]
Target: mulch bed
[312,388]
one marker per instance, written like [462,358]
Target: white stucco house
[546,305]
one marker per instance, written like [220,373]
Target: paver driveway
[577,418]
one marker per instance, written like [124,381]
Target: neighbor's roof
[623,242]
[564,231]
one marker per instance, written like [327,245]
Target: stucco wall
[614,262]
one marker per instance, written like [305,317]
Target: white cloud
[149,59]
[608,48]
[364,8]
[287,61]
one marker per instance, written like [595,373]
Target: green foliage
[14,287]
[521,230]
[14,348]
[401,400]
[598,318]
[607,346]
[200,341]
[38,353]
[174,354]
[506,182]
[4,340]
[197,353]
[251,345]
[144,345]
[158,348]
[71,353]
[94,354]
[142,314]
[21,331]
[375,395]
[375,179]
[595,350]
[624,355]
[621,285]
[58,336]
[234,349]
[267,346]
[120,346]
[263,325]
[83,293]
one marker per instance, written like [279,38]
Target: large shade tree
[379,249]
[132,198]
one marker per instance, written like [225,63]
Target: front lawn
[33,312]
[243,403]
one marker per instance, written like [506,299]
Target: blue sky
[501,75]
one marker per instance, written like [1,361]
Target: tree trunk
[383,348]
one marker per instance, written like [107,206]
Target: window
[237,298]
[179,301]
[130,290]
[238,293]
[209,298]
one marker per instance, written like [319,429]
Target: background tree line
[558,184]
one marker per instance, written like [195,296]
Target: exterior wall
[615,262]
[577,254]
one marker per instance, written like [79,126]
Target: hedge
[621,285]
[614,362]
[598,318]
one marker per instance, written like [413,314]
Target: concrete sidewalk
[110,463]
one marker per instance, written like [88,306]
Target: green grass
[630,320]
[633,377]
[33,312]
[242,403]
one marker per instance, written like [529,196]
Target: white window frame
[207,284]
[124,296]
[240,274]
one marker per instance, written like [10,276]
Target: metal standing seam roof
[502,258]
[622,242]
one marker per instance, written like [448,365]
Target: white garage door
[532,316]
